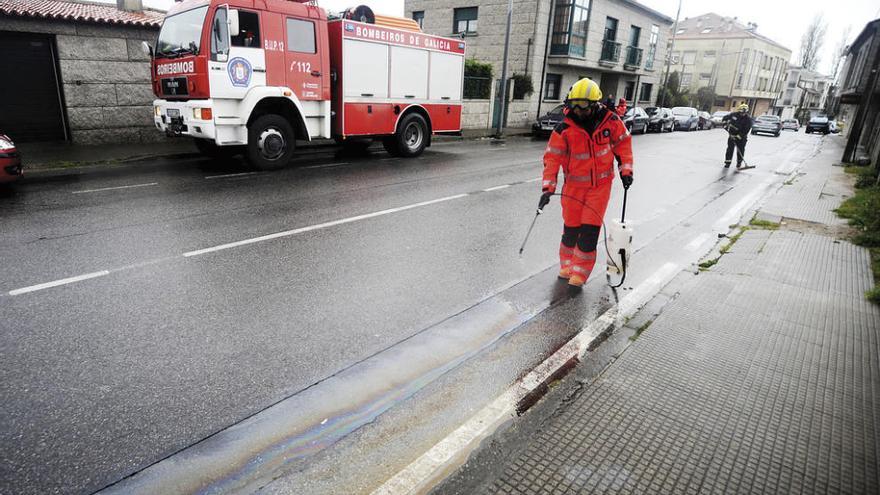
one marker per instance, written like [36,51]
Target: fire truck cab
[254,76]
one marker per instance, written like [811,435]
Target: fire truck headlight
[157,111]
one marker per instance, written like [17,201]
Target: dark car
[686,118]
[705,121]
[818,124]
[545,125]
[660,119]
[767,124]
[10,160]
[636,120]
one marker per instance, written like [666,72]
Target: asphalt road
[146,308]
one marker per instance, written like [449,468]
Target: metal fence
[477,88]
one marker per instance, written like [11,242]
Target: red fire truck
[253,76]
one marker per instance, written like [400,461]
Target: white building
[803,89]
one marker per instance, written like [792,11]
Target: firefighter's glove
[627,180]
[545,200]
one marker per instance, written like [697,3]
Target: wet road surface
[148,308]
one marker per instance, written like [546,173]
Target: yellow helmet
[583,92]
[742,108]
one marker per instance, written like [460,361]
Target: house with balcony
[805,90]
[621,44]
[858,94]
[732,58]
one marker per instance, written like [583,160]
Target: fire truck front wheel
[411,137]
[271,142]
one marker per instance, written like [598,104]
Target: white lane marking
[452,451]
[505,186]
[209,177]
[325,225]
[534,180]
[735,212]
[327,165]
[56,283]
[115,188]
[698,241]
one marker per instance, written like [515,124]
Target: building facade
[621,44]
[803,89]
[80,72]
[859,96]
[740,65]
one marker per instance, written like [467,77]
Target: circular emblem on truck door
[240,72]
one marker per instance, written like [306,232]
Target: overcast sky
[781,20]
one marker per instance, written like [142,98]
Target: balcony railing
[610,51]
[633,56]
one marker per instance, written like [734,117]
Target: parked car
[718,117]
[767,124]
[818,124]
[660,119]
[832,126]
[791,124]
[686,118]
[705,120]
[636,120]
[545,125]
[10,160]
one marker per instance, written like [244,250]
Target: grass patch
[708,264]
[726,249]
[640,330]
[763,224]
[863,212]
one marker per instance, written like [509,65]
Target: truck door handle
[366,94]
[409,96]
[316,73]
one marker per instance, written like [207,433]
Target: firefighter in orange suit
[585,145]
[621,108]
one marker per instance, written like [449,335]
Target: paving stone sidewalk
[762,376]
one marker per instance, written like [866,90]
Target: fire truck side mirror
[232,22]
[148,50]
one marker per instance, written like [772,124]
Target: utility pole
[669,57]
[500,130]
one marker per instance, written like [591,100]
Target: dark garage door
[30,104]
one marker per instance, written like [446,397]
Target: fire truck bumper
[194,118]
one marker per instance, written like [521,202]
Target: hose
[605,240]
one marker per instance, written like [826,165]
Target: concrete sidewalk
[761,376]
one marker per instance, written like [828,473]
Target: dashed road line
[244,242]
[288,233]
[84,191]
[224,176]
[496,188]
[56,283]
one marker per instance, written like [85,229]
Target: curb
[450,453]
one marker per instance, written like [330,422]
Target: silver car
[791,125]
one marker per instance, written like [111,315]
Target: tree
[672,95]
[704,99]
[838,52]
[812,41]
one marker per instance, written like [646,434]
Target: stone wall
[104,76]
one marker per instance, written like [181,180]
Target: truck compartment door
[409,73]
[365,70]
[446,77]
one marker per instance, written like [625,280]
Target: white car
[718,116]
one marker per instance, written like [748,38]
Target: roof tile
[80,11]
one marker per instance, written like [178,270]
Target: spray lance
[617,239]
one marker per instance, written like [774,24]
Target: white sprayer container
[619,238]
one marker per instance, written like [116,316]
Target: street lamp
[669,57]
[499,131]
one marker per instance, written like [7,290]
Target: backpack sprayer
[617,239]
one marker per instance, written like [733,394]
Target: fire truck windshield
[181,33]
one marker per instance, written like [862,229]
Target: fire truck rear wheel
[411,137]
[271,142]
